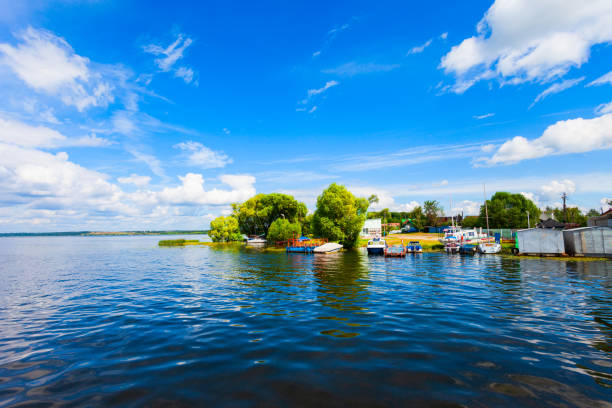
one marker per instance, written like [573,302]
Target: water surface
[117,321]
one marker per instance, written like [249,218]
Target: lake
[118,321]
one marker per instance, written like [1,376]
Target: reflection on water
[116,321]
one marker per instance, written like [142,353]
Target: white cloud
[47,63]
[604,79]
[354,68]
[151,161]
[24,135]
[556,88]
[564,137]
[486,115]
[191,191]
[135,179]
[420,48]
[202,156]
[522,40]
[331,35]
[328,84]
[314,108]
[554,189]
[604,203]
[466,207]
[169,56]
[604,108]
[533,197]
[185,73]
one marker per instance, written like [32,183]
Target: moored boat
[259,240]
[468,249]
[414,247]
[452,247]
[489,247]
[327,248]
[376,246]
[396,251]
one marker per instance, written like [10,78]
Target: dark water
[110,321]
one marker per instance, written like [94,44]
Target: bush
[172,242]
[224,229]
[283,230]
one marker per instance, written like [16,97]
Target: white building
[372,228]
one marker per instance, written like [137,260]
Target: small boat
[327,248]
[376,246]
[256,240]
[452,247]
[489,248]
[396,251]
[304,244]
[414,247]
[468,249]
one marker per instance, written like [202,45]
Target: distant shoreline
[98,233]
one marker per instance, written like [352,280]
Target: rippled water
[117,321]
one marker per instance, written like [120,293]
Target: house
[604,220]
[371,228]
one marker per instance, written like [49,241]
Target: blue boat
[414,246]
[304,245]
[468,249]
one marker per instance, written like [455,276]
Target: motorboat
[327,248]
[468,249]
[414,247]
[489,247]
[258,240]
[452,247]
[466,236]
[376,246]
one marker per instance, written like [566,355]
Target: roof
[551,223]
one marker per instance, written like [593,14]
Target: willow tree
[339,215]
[256,215]
[508,210]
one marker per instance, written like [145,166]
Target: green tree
[224,229]
[417,218]
[592,213]
[508,210]
[471,222]
[339,215]
[574,215]
[432,208]
[282,230]
[257,213]
[307,225]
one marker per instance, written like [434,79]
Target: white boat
[327,248]
[465,236]
[489,248]
[376,246]
[256,241]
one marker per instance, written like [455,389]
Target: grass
[179,242]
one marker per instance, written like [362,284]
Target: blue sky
[144,115]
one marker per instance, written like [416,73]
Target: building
[589,241]
[371,228]
[540,241]
[604,220]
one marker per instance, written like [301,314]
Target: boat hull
[376,251]
[489,248]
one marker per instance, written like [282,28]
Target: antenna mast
[484,191]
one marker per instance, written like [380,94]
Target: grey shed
[541,241]
[589,241]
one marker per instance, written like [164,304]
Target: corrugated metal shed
[589,241]
[543,241]
[604,220]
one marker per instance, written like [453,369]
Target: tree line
[339,216]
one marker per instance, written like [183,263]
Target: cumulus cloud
[201,156]
[170,55]
[564,137]
[521,40]
[555,188]
[556,88]
[467,207]
[604,203]
[192,192]
[135,179]
[48,64]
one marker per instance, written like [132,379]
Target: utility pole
[564,197]
[528,226]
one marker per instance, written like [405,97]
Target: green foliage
[471,222]
[307,225]
[592,213]
[256,215]
[224,229]
[282,230]
[339,215]
[508,210]
[574,215]
[171,242]
[432,209]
